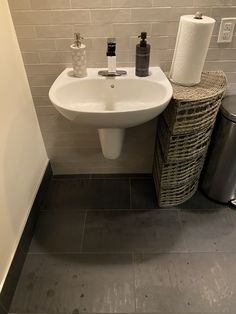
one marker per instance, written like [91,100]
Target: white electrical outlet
[226,30]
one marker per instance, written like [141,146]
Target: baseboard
[10,283]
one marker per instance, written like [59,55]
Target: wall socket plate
[226,30]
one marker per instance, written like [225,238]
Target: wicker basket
[213,84]
[183,136]
[187,117]
[177,173]
[182,147]
[173,195]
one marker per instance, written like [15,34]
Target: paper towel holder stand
[198,15]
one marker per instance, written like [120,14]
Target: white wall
[22,154]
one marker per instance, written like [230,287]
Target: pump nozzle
[77,39]
[143,37]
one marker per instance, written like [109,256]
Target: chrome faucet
[111,60]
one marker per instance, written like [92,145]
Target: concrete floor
[101,245]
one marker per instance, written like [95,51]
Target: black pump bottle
[142,56]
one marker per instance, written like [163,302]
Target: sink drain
[112,85]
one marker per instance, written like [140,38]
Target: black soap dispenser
[142,56]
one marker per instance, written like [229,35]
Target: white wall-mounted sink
[111,104]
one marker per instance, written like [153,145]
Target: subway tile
[28,45]
[215,44]
[226,66]
[99,44]
[110,15]
[172,3]
[32,17]
[55,57]
[70,17]
[150,14]
[216,54]
[231,88]
[213,54]
[49,4]
[44,69]
[63,44]
[19,5]
[41,80]
[96,57]
[131,3]
[127,164]
[40,90]
[165,28]
[25,31]
[75,283]
[165,65]
[203,3]
[31,57]
[228,54]
[51,120]
[131,29]
[122,44]
[63,139]
[223,12]
[94,30]
[55,31]
[90,4]
[42,101]
[157,42]
[231,76]
[163,42]
[161,55]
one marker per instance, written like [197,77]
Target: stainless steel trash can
[219,174]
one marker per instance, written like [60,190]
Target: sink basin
[111,104]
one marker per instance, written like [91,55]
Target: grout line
[181,229]
[132,252]
[130,194]
[134,283]
[83,232]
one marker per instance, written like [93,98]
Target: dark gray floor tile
[2,310]
[128,231]
[74,283]
[209,231]
[60,232]
[200,202]
[85,193]
[143,194]
[186,283]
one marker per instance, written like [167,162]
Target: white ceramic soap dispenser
[79,57]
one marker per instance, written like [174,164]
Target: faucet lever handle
[111,47]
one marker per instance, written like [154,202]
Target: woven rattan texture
[212,83]
[183,135]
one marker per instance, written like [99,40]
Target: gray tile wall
[45,31]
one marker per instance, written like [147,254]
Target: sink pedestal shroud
[111,142]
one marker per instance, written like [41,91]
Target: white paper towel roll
[191,47]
